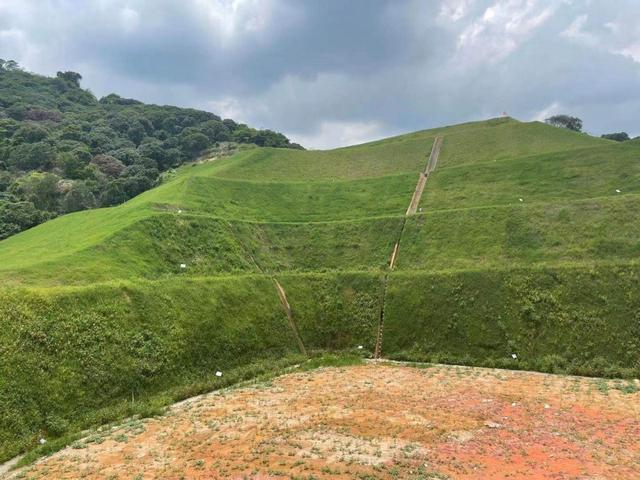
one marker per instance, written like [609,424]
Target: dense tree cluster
[62,150]
[618,136]
[565,121]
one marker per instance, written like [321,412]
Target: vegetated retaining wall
[335,311]
[580,320]
[67,353]
[71,357]
[75,356]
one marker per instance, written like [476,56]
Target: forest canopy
[63,150]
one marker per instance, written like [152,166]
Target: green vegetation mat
[526,243]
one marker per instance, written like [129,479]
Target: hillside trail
[424,175]
[411,210]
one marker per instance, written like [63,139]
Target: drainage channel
[282,295]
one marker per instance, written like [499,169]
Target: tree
[18,216]
[108,165]
[39,188]
[136,179]
[9,65]
[32,156]
[29,133]
[193,142]
[70,77]
[128,156]
[215,130]
[74,132]
[155,150]
[73,164]
[114,194]
[79,197]
[565,121]
[244,134]
[618,137]
[136,133]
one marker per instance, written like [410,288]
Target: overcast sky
[336,72]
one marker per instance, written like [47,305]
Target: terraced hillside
[522,253]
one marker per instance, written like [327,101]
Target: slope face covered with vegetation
[522,254]
[62,150]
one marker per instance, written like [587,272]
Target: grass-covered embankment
[594,230]
[480,275]
[72,357]
[580,320]
[80,356]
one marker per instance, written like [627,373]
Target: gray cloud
[334,72]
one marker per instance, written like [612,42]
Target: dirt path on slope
[435,154]
[411,210]
[292,323]
[377,421]
[422,180]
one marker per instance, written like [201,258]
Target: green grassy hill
[526,243]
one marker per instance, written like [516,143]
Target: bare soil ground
[377,421]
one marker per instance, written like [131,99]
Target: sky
[330,73]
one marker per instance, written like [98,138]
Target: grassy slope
[480,274]
[591,230]
[570,175]
[298,202]
[506,139]
[404,154]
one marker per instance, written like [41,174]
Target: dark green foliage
[18,216]
[79,197]
[565,121]
[32,156]
[618,137]
[53,125]
[29,133]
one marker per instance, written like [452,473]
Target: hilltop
[63,150]
[522,253]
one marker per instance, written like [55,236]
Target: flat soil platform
[380,421]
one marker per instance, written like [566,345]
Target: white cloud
[550,110]
[129,19]
[230,20]
[337,134]
[14,44]
[228,107]
[501,29]
[631,51]
[330,72]
[576,32]
[454,10]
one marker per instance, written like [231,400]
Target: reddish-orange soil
[377,421]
